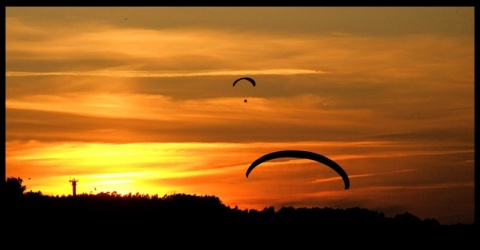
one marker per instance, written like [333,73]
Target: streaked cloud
[169,74]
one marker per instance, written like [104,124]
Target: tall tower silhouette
[74,186]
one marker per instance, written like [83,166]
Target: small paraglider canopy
[244,78]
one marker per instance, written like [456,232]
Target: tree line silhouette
[111,210]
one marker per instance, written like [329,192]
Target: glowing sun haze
[140,100]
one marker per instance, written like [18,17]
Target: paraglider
[244,78]
[304,155]
[247,79]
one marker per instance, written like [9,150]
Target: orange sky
[141,100]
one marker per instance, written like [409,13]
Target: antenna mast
[74,186]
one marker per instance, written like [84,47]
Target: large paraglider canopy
[244,78]
[303,155]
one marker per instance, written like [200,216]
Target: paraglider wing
[245,78]
[304,155]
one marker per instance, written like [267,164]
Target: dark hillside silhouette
[140,214]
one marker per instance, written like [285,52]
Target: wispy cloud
[271,72]
[360,175]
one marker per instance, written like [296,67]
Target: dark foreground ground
[183,220]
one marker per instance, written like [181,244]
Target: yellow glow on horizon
[135,166]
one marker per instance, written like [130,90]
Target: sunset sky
[140,100]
